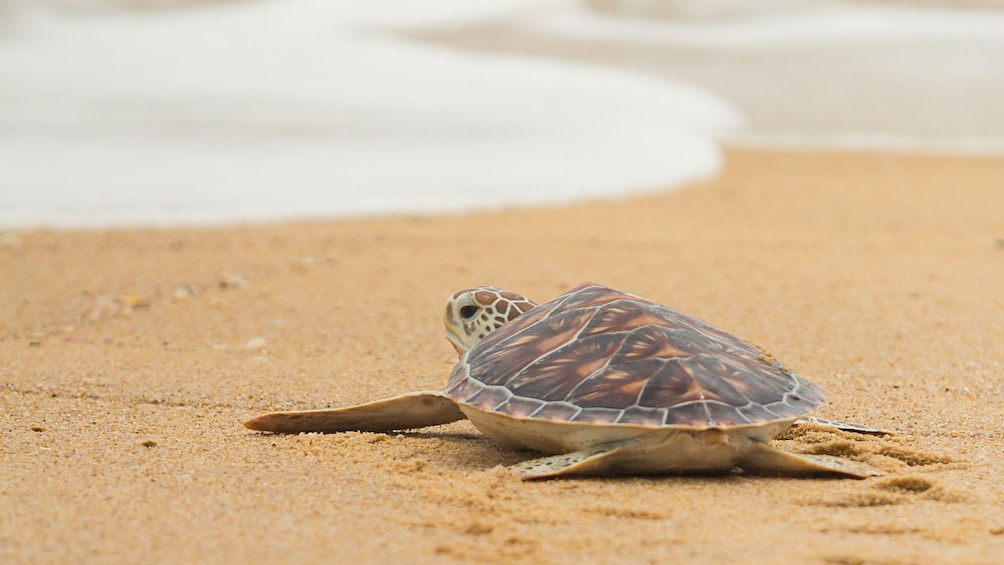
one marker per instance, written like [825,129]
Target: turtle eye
[468,312]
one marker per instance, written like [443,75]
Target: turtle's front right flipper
[405,412]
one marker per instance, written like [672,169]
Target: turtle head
[473,313]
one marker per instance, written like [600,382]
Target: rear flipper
[763,457]
[844,426]
[405,412]
[603,459]
[591,461]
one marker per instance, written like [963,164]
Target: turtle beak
[460,346]
[456,345]
[453,332]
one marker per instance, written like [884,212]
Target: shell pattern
[596,355]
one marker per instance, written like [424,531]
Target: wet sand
[129,357]
[837,93]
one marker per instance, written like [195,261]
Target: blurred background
[137,112]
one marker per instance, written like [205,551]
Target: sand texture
[129,357]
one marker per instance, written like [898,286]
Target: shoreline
[584,98]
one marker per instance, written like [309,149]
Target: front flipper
[591,461]
[763,457]
[843,426]
[405,412]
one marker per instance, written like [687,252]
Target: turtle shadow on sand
[603,382]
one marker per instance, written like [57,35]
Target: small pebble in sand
[183,293]
[149,443]
[134,301]
[255,343]
[231,280]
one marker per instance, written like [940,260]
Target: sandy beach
[129,357]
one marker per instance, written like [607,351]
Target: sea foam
[313,108]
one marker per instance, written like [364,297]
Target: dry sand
[129,357]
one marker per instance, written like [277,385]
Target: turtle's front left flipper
[405,412]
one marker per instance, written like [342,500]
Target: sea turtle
[604,382]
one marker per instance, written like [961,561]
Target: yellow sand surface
[129,357]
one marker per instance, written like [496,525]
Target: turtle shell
[595,355]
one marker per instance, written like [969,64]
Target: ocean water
[257,110]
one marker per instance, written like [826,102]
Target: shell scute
[527,346]
[721,414]
[641,416]
[616,386]
[520,407]
[785,409]
[561,411]
[592,295]
[597,415]
[672,384]
[754,412]
[621,316]
[796,403]
[553,376]
[649,342]
[460,386]
[719,380]
[705,414]
[490,397]
[757,388]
